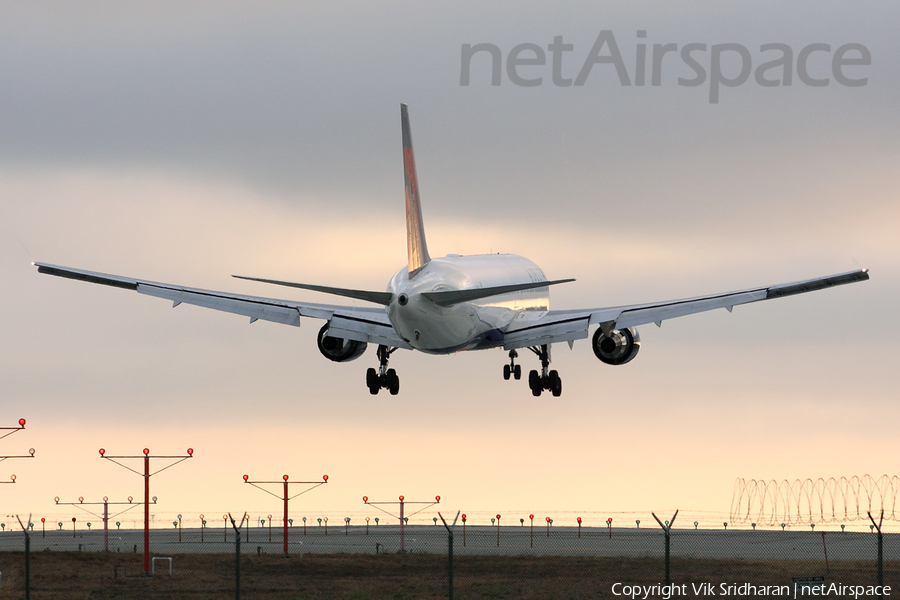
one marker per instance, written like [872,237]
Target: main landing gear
[546,380]
[383,377]
[512,368]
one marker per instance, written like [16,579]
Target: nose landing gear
[383,377]
[546,379]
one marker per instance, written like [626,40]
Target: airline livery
[454,303]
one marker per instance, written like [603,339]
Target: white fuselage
[436,329]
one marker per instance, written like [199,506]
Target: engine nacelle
[339,349]
[617,348]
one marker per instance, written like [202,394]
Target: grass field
[83,575]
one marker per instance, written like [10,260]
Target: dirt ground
[83,575]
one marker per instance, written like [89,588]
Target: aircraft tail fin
[417,249]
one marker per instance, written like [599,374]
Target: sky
[186,143]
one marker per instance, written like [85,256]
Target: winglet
[417,249]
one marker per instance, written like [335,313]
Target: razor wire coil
[806,501]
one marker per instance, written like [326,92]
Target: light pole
[404,518]
[285,497]
[105,516]
[146,475]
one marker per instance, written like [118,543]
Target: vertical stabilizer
[416,247]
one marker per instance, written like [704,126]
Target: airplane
[455,303]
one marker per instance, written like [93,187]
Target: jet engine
[339,349]
[617,348]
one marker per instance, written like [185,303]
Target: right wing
[571,325]
[362,324]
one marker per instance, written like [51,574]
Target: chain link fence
[487,561]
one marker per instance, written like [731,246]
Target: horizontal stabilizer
[376,297]
[451,297]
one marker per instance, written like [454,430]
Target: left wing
[571,325]
[362,324]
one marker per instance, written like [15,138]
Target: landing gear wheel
[554,383]
[517,372]
[535,383]
[506,372]
[392,382]
[372,378]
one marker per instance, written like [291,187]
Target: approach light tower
[105,516]
[12,430]
[286,498]
[402,501]
[147,475]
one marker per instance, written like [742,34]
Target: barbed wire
[806,501]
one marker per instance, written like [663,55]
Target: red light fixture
[190,451]
[102,451]
[285,477]
[21,422]
[246,477]
[146,451]
[366,499]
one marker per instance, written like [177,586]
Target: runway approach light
[285,477]
[190,451]
[146,451]
[21,422]
[437,498]
[102,451]
[246,477]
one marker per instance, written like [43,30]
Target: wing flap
[365,329]
[663,312]
[255,309]
[567,330]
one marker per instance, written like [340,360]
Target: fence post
[666,529]
[450,550]
[237,553]
[880,552]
